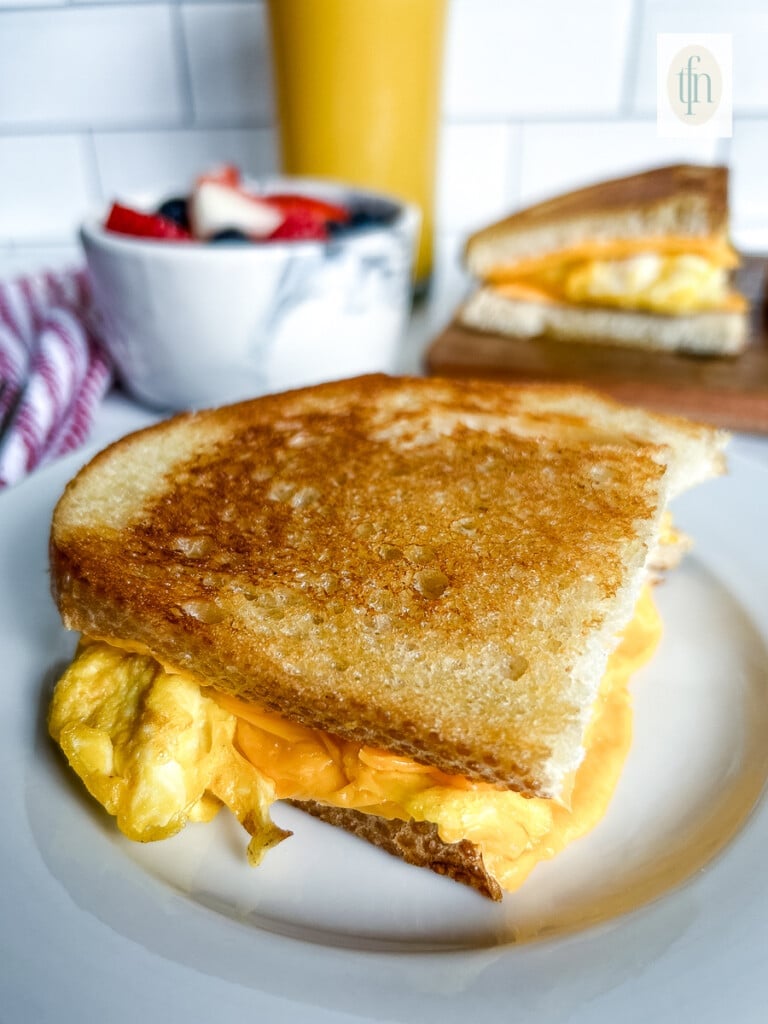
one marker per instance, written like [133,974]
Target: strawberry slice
[298,226]
[227,174]
[290,204]
[125,221]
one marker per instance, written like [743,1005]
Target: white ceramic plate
[660,914]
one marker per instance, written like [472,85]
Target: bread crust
[416,842]
[681,199]
[400,562]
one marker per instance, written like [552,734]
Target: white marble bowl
[197,324]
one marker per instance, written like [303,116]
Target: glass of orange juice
[357,86]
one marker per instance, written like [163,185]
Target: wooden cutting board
[729,392]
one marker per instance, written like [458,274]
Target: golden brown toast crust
[681,182]
[433,567]
[416,842]
[681,199]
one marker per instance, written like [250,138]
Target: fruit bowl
[194,323]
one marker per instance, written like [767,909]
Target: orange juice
[358,95]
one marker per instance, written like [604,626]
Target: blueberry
[176,210]
[371,213]
[229,235]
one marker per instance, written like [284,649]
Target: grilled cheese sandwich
[453,699]
[653,244]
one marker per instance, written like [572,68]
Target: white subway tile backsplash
[452,280]
[31,3]
[751,238]
[749,159]
[123,96]
[107,3]
[164,161]
[228,61]
[746,20]
[77,66]
[475,173]
[561,156]
[44,187]
[513,58]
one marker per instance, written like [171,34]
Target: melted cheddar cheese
[513,832]
[672,276]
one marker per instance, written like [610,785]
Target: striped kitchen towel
[53,370]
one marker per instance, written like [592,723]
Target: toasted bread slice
[435,568]
[682,201]
[709,333]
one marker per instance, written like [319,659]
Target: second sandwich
[642,262]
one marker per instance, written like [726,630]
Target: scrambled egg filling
[667,280]
[154,750]
[158,750]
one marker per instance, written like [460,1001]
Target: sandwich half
[643,261]
[410,606]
